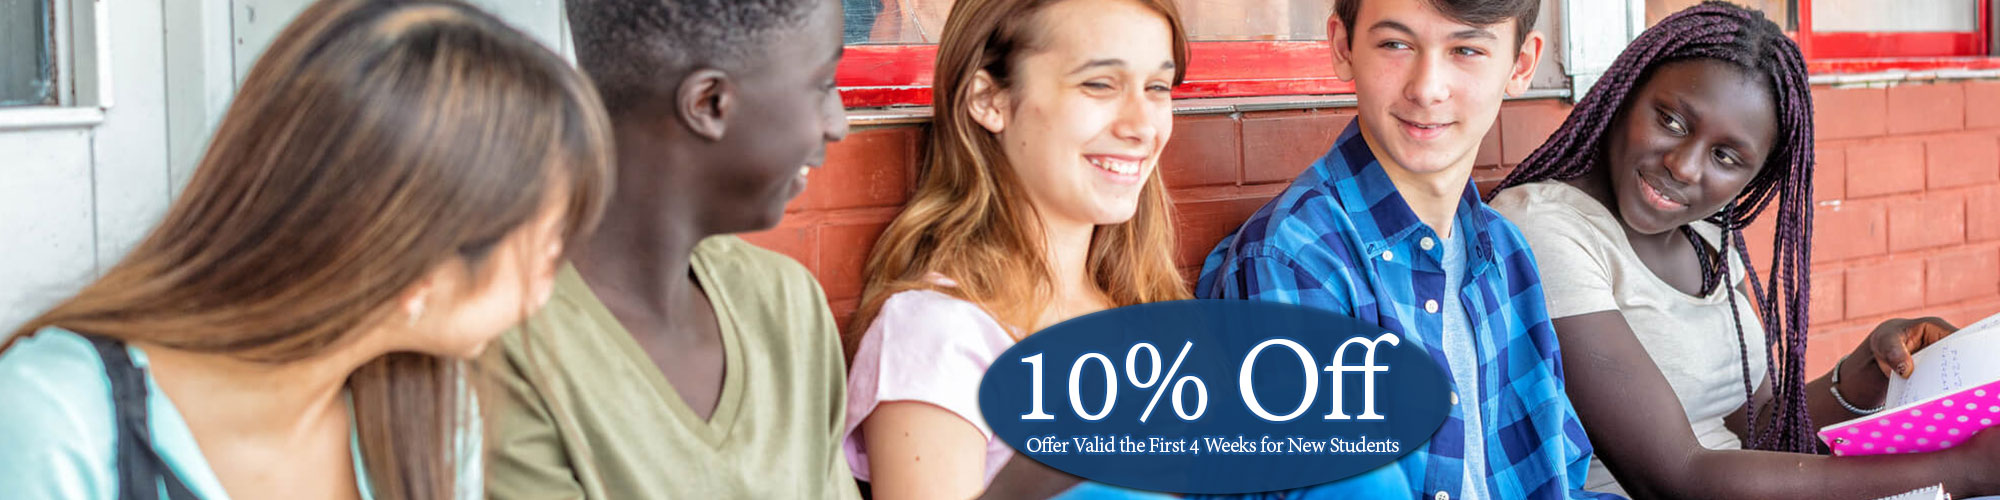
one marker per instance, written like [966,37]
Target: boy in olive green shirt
[674,360]
[589,416]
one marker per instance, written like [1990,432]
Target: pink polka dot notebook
[1936,424]
[1953,393]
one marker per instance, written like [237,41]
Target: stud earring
[415,310]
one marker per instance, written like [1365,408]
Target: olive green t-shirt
[584,413]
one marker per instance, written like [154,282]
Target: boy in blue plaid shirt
[1388,228]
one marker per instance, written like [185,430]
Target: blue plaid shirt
[1341,238]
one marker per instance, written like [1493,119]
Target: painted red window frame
[889,75]
[1917,46]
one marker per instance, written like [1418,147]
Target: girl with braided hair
[1634,209]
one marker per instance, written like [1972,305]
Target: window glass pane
[1216,20]
[1778,11]
[1895,15]
[24,53]
[895,21]
[920,21]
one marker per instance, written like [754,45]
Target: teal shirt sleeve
[54,443]
[58,438]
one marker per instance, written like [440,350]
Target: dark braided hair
[1724,32]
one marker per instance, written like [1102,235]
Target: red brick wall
[1908,215]
[1908,182]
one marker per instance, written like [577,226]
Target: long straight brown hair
[970,219]
[374,141]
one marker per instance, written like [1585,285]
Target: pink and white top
[927,347]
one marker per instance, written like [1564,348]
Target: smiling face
[1088,110]
[1690,139]
[788,110]
[1429,87]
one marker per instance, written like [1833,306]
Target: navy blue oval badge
[1215,396]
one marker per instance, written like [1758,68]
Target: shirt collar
[1352,173]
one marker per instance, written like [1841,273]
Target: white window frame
[82,56]
[1596,32]
[211,44]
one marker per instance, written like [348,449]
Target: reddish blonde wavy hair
[970,219]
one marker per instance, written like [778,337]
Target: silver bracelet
[1835,387]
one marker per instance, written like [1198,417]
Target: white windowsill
[1892,77]
[49,117]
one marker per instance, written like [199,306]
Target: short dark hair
[630,48]
[1472,12]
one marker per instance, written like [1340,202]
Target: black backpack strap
[140,468]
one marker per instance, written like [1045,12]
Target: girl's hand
[1892,342]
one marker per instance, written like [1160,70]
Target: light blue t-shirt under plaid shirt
[1341,238]
[1462,354]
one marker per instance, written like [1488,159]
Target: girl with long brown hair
[390,189]
[1040,201]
